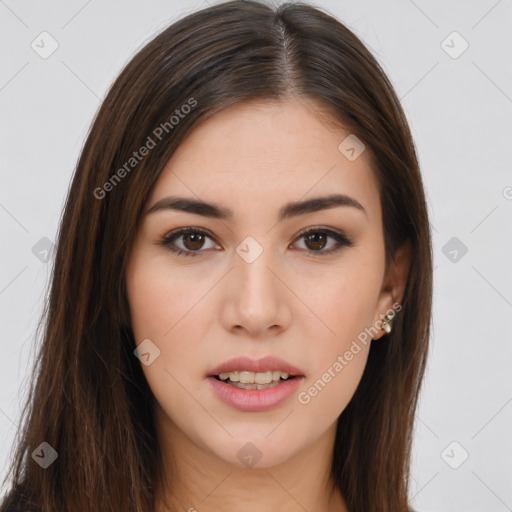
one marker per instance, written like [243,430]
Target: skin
[291,302]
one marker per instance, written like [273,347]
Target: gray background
[460,111]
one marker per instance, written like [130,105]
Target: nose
[256,299]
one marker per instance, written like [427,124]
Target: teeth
[252,386]
[254,377]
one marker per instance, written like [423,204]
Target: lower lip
[255,400]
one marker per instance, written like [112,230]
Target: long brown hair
[89,399]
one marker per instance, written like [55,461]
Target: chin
[257,446]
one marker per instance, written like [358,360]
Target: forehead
[263,153]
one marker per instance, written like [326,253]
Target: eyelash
[168,239]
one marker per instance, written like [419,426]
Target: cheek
[339,358]
[327,393]
[343,301]
[159,298]
[162,310]
[344,307]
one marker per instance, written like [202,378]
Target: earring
[386,324]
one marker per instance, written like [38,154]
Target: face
[250,284]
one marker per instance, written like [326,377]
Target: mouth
[254,380]
[255,384]
[258,372]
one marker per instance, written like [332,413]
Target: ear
[393,286]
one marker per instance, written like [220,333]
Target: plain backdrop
[450,63]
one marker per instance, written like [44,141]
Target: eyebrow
[292,209]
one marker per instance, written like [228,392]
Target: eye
[316,240]
[194,241]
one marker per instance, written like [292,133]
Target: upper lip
[244,363]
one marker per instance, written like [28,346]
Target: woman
[241,298]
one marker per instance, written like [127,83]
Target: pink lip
[254,400]
[244,363]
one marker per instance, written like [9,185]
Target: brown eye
[196,241]
[316,241]
[187,241]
